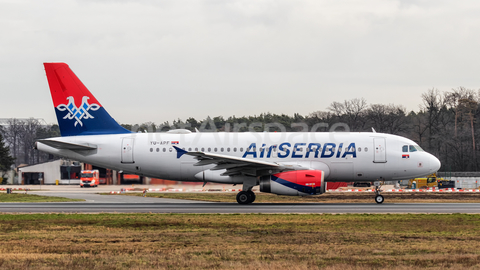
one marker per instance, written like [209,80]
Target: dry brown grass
[247,241]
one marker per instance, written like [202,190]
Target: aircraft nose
[434,164]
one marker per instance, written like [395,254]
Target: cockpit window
[415,148]
[405,148]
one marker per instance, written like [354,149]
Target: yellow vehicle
[425,182]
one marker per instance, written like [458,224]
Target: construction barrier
[14,188]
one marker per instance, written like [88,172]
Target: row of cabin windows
[308,149]
[253,149]
[201,149]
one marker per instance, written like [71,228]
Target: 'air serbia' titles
[329,150]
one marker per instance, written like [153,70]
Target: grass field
[251,241]
[345,197]
[20,196]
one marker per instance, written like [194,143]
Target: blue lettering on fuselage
[297,149]
[251,150]
[329,150]
[285,150]
[351,150]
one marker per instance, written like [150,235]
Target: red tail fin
[78,111]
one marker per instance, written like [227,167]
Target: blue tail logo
[78,113]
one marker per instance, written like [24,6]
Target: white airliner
[297,163]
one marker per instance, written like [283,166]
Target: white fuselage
[342,156]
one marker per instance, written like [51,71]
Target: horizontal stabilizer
[68,145]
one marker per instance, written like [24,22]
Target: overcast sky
[162,60]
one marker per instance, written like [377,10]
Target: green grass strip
[22,197]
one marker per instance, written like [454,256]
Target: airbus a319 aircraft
[284,163]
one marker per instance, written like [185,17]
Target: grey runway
[265,208]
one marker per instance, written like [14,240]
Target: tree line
[444,125]
[20,136]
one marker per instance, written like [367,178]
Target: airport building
[67,172]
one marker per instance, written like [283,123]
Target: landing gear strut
[246,197]
[378,198]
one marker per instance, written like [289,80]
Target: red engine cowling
[294,183]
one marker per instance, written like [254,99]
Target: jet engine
[294,183]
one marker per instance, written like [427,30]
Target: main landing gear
[378,198]
[246,197]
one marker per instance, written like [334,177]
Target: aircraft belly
[342,171]
[188,170]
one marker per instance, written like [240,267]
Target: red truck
[89,178]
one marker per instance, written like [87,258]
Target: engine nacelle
[294,183]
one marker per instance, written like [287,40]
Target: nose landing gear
[378,198]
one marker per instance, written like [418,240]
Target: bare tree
[352,112]
[387,118]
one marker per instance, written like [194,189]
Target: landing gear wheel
[252,196]
[379,199]
[243,197]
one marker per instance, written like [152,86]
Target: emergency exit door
[379,150]
[127,150]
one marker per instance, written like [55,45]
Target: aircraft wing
[232,165]
[68,145]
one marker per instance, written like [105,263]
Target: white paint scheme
[144,159]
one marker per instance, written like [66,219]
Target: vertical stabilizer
[78,111]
